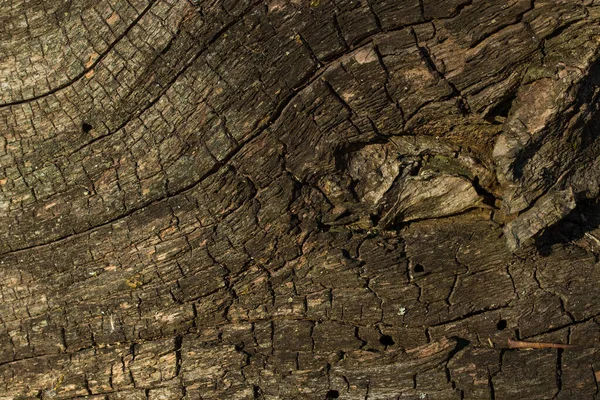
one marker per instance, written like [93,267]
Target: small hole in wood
[386,340]
[501,325]
[257,392]
[499,113]
[374,219]
[332,394]
[86,127]
[419,268]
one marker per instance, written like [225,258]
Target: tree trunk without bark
[299,199]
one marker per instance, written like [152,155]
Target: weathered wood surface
[299,199]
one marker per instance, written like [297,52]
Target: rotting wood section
[305,199]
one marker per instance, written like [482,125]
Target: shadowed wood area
[299,199]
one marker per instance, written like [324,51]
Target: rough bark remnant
[309,199]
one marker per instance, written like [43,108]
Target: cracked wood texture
[299,199]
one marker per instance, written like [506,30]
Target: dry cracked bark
[299,199]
